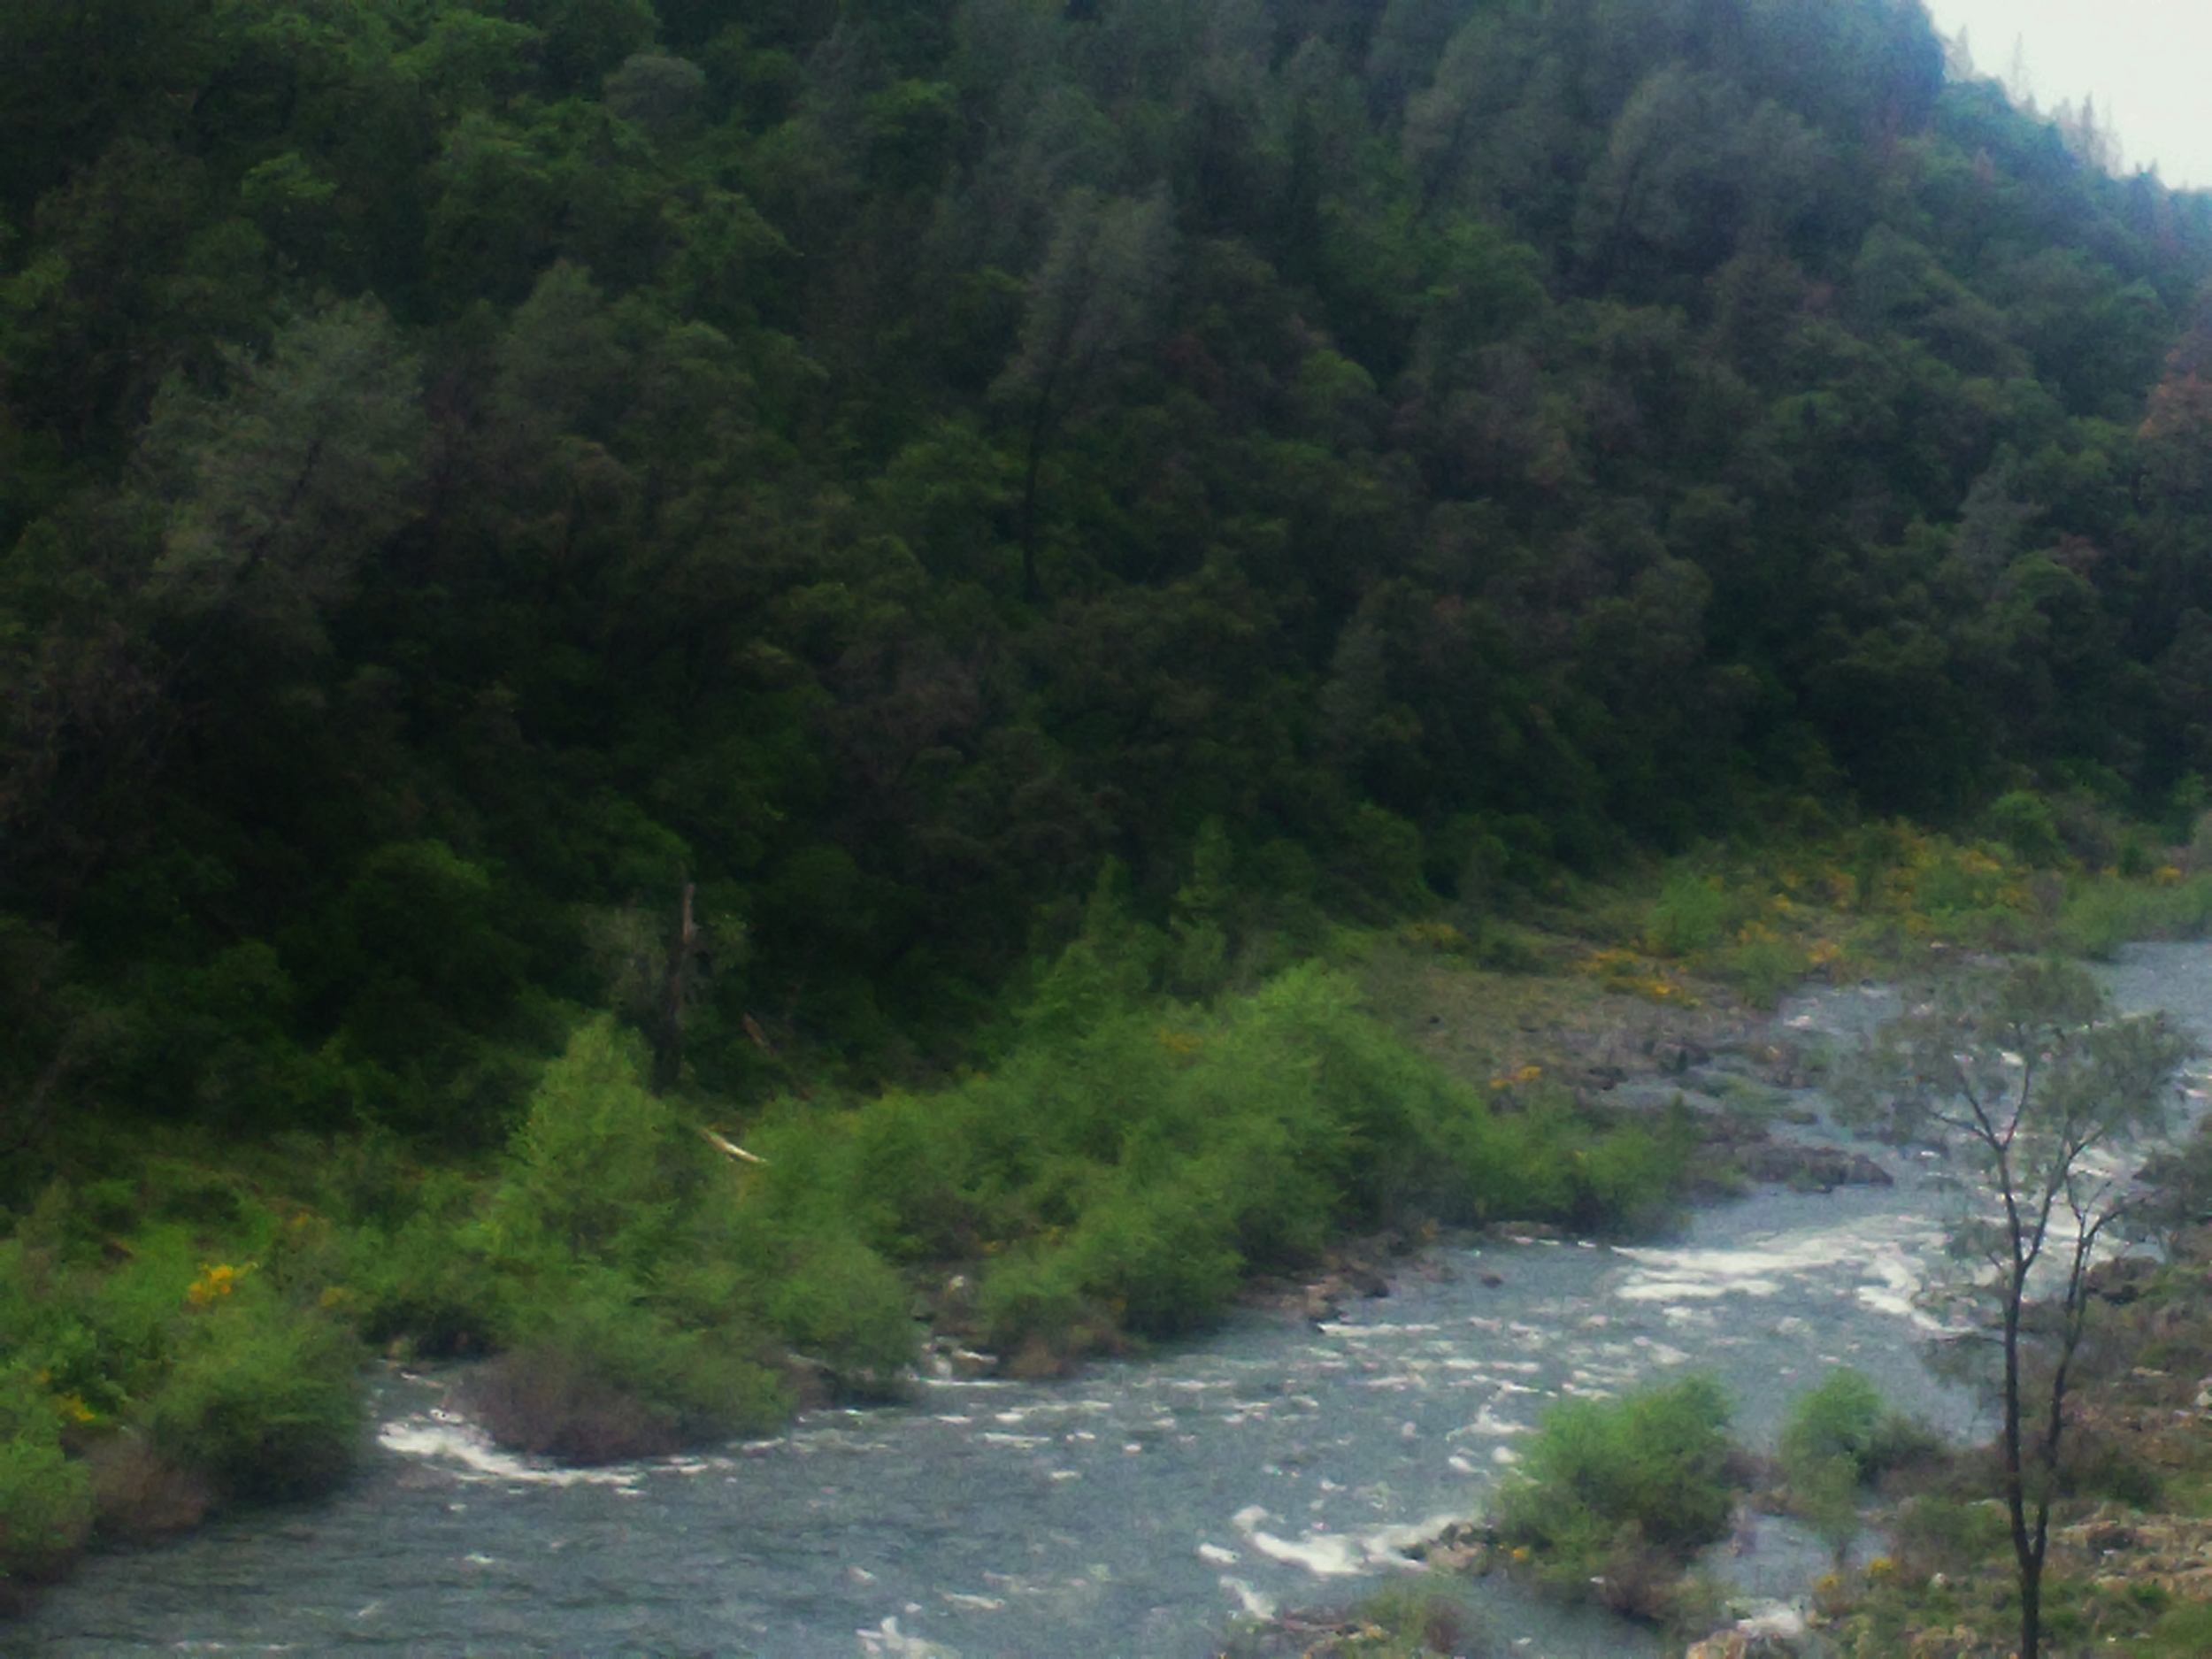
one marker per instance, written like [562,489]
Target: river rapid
[1136,1511]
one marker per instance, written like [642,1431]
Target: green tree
[2041,1094]
[310,461]
[1093,299]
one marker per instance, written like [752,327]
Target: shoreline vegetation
[1626,1504]
[587,588]
[185,1326]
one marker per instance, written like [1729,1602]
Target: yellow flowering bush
[215,1281]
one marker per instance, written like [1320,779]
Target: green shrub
[1935,1532]
[2185,1630]
[837,1302]
[2197,858]
[2100,916]
[1692,915]
[604,1378]
[1838,1419]
[264,1399]
[1764,970]
[627,1282]
[1030,1294]
[421,1285]
[1413,1619]
[910,1170]
[1604,1483]
[600,1166]
[2023,820]
[45,1496]
[1159,1256]
[1828,1453]
[1128,1166]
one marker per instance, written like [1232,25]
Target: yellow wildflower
[215,1281]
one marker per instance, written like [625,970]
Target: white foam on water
[1388,1546]
[887,1641]
[968,1602]
[1491,1426]
[454,1439]
[1324,1554]
[1898,1291]
[1883,1255]
[1249,1601]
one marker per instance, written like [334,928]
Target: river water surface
[1134,1511]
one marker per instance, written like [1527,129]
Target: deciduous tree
[2043,1098]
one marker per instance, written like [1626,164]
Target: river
[1133,1511]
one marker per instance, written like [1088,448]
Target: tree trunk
[2024,1551]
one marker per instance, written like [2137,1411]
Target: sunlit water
[1136,1512]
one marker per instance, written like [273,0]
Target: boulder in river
[1812,1169]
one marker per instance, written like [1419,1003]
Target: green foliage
[1838,1420]
[228,1368]
[2033,1084]
[1127,1173]
[874,467]
[837,1301]
[45,1496]
[412,1281]
[1840,1437]
[2101,914]
[597,1169]
[875,485]
[1764,970]
[600,1377]
[264,1399]
[1692,914]
[2024,821]
[1656,1460]
[1412,1620]
[1602,1482]
[2186,1629]
[628,1286]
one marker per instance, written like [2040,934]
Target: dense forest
[733,511]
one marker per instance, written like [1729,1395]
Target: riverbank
[1133,1509]
[1932,1573]
[1564,1049]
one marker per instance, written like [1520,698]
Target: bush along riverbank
[183,1335]
[184,1325]
[1619,1503]
[2114,1375]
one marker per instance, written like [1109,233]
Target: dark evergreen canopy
[466,466]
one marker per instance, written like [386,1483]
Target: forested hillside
[468,469]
